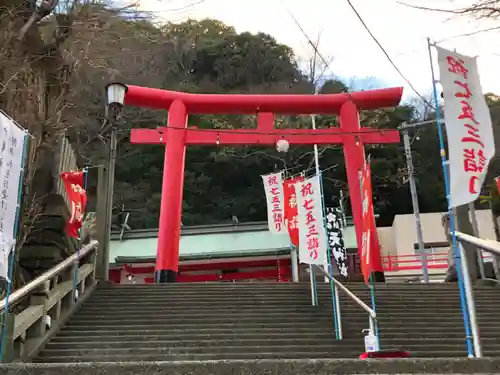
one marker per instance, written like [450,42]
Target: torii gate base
[176,135]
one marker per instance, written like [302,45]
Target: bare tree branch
[481,9]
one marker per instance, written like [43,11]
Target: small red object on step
[385,354]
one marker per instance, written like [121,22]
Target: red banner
[73,182]
[370,247]
[291,211]
[497,181]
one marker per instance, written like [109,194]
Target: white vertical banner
[273,186]
[11,157]
[468,126]
[310,221]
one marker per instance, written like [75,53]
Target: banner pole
[456,252]
[371,287]
[312,279]
[12,253]
[79,246]
[335,302]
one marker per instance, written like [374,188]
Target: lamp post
[115,95]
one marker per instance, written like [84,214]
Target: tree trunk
[32,93]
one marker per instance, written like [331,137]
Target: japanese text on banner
[77,196]
[334,233]
[468,125]
[273,186]
[310,221]
[370,247]
[11,160]
[291,210]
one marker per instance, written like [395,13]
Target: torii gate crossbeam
[176,135]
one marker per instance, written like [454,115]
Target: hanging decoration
[273,186]
[291,210]
[74,184]
[310,221]
[334,231]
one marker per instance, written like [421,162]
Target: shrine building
[248,251]
[224,252]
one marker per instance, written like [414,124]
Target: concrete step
[205,299]
[201,320]
[189,342]
[280,286]
[90,306]
[186,329]
[214,348]
[291,341]
[154,335]
[230,333]
[217,310]
[393,319]
[123,358]
[419,329]
[159,357]
[266,367]
[271,311]
[347,318]
[193,289]
[277,325]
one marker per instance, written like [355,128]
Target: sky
[401,30]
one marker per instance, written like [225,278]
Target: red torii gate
[176,135]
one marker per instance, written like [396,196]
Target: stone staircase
[265,321]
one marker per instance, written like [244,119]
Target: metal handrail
[489,246]
[486,245]
[32,285]
[350,294]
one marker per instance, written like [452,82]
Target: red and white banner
[12,139]
[370,246]
[273,186]
[310,222]
[468,126]
[73,182]
[291,210]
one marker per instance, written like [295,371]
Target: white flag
[468,126]
[310,221]
[273,186]
[11,156]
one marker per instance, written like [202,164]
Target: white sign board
[310,221]
[468,126]
[11,156]
[273,186]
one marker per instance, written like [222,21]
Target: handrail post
[471,304]
[339,315]
[8,348]
[371,322]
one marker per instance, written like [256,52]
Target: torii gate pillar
[177,135]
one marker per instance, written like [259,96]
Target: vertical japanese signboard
[11,163]
[336,239]
[291,210]
[77,196]
[468,126]
[273,186]
[310,221]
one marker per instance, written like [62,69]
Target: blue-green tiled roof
[205,242]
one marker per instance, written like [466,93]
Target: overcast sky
[401,30]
